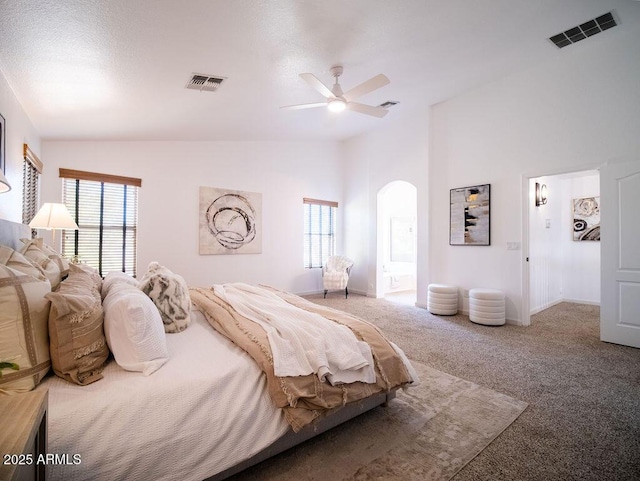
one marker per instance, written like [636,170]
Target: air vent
[204,82]
[587,29]
[388,103]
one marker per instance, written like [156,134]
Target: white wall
[546,229]
[172,172]
[574,113]
[396,151]
[581,260]
[19,130]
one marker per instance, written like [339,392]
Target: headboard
[12,232]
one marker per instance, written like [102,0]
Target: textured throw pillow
[55,256]
[90,271]
[170,293]
[15,260]
[77,343]
[24,339]
[134,330]
[115,277]
[50,265]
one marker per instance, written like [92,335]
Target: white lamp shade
[53,216]
[4,183]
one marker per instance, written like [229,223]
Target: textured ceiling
[117,69]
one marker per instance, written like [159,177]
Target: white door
[620,253]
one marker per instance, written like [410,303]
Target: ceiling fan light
[337,105]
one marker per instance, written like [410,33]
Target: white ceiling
[117,69]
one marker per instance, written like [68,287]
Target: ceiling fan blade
[316,84]
[370,85]
[367,109]
[304,106]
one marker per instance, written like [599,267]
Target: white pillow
[115,277]
[134,330]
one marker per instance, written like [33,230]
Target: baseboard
[359,292]
[307,293]
[559,301]
[582,301]
[421,304]
[551,304]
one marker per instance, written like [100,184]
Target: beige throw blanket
[304,398]
[302,342]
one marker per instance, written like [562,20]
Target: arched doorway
[397,242]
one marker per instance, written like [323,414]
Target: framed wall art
[230,221]
[469,221]
[586,218]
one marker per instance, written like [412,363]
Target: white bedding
[205,410]
[302,342]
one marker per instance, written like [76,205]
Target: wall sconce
[541,194]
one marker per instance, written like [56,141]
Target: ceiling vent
[388,103]
[204,82]
[587,29]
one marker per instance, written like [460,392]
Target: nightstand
[23,435]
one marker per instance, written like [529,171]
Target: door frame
[526,198]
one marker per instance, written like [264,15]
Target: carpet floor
[583,418]
[429,432]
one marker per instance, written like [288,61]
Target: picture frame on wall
[470,216]
[230,221]
[586,218]
[2,144]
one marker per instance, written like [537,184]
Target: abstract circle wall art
[230,221]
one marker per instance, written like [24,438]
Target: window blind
[31,170]
[319,231]
[107,218]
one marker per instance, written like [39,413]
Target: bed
[213,407]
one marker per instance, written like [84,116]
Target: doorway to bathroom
[397,240]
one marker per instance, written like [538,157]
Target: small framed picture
[586,218]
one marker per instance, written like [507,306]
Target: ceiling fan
[337,101]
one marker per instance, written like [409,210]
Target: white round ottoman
[486,306]
[442,300]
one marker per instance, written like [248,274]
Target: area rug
[428,432]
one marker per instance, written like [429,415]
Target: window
[319,231]
[31,170]
[105,207]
